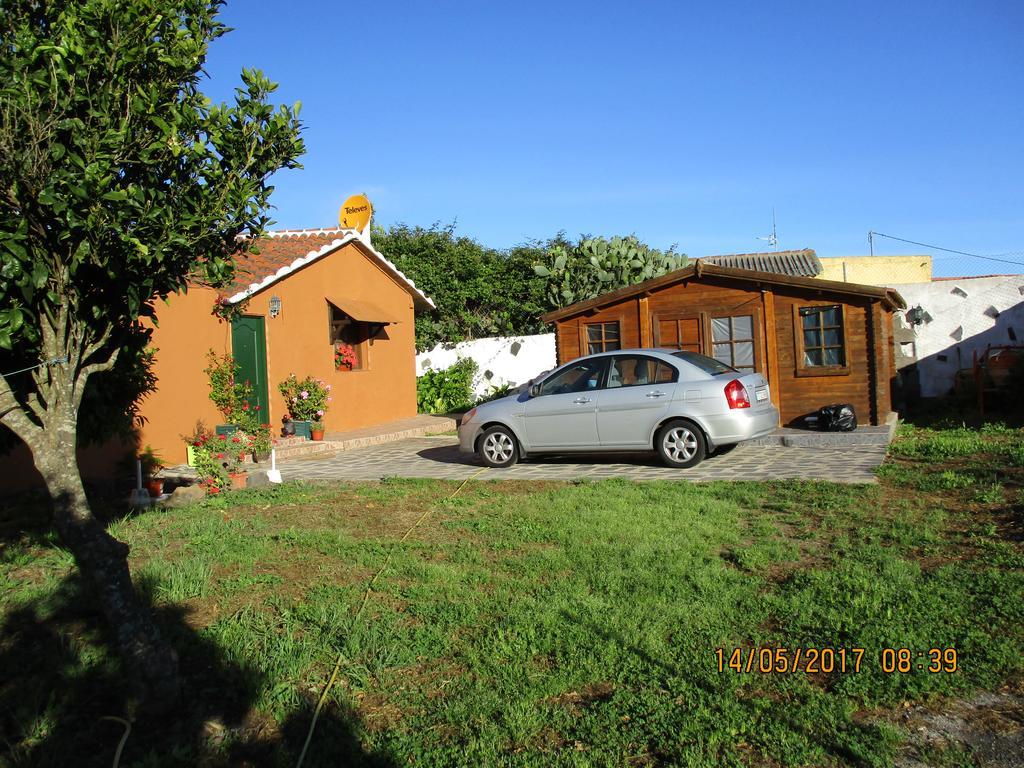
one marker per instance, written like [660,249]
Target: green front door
[249,348]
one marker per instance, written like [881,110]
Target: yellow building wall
[877,270]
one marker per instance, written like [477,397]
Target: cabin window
[823,338]
[348,334]
[733,341]
[603,337]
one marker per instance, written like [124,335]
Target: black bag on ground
[839,417]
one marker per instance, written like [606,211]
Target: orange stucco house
[303,292]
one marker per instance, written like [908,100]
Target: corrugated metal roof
[802,263]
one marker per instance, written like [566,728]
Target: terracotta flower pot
[155,486]
[238,480]
[318,434]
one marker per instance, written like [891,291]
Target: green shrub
[496,393]
[596,265]
[448,390]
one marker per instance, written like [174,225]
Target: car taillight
[736,394]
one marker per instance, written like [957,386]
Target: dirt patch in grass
[587,695]
[377,711]
[989,726]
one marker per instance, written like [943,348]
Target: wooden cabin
[817,341]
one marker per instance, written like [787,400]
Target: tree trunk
[150,661]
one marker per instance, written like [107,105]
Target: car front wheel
[498,447]
[681,444]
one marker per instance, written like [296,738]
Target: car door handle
[582,400]
[657,393]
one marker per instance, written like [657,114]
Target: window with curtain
[603,337]
[823,336]
[733,341]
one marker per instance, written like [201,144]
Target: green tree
[478,291]
[119,183]
[596,265]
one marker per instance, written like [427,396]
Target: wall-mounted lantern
[917,315]
[275,306]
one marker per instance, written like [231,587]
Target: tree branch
[38,407]
[83,375]
[12,415]
[94,347]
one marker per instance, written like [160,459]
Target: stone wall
[959,316]
[512,360]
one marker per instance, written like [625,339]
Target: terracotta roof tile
[280,252]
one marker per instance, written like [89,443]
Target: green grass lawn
[537,624]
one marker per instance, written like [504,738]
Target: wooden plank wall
[806,394]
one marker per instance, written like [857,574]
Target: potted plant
[240,445]
[218,466]
[198,437]
[316,430]
[151,464]
[307,402]
[260,441]
[229,395]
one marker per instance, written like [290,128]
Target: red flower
[213,490]
[220,455]
[245,406]
[223,437]
[257,407]
[236,439]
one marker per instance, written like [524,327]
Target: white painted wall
[500,360]
[967,314]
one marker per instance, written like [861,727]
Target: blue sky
[684,123]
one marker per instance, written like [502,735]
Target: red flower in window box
[345,357]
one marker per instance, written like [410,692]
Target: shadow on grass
[60,680]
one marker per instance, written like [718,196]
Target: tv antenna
[772,239]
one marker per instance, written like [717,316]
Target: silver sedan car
[681,405]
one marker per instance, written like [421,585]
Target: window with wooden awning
[353,326]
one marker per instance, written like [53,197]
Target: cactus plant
[596,265]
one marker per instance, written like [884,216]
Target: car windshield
[705,363]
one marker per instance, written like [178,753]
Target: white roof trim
[350,236]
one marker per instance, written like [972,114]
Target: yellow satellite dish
[355,213]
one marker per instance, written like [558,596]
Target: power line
[55,361]
[947,250]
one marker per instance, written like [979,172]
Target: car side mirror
[535,390]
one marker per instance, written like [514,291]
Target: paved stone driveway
[439,458]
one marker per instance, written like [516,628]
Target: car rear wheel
[681,444]
[498,447]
